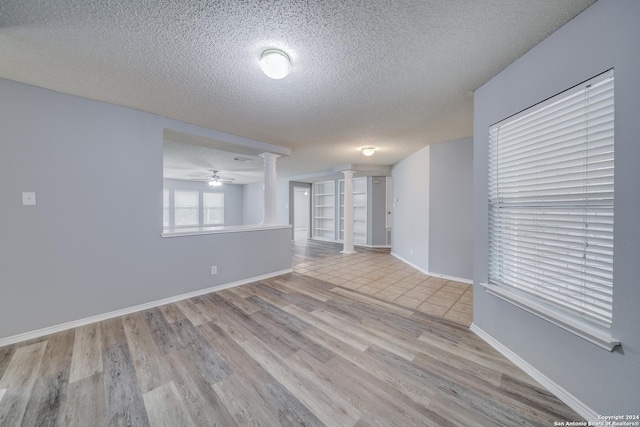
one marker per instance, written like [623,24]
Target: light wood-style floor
[292,350]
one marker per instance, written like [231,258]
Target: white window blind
[186,207]
[165,207]
[213,208]
[551,171]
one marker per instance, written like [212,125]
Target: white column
[347,247]
[269,189]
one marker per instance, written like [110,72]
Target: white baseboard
[124,311]
[429,273]
[569,399]
[320,239]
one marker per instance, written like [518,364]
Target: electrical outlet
[214,270]
[410,251]
[29,198]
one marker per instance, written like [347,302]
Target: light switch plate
[29,198]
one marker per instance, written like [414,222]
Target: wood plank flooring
[291,350]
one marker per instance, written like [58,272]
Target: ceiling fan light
[275,64]
[215,183]
[368,151]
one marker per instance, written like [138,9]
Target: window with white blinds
[186,207]
[213,208]
[165,208]
[551,171]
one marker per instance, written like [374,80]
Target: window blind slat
[530,255]
[553,161]
[558,138]
[544,132]
[527,278]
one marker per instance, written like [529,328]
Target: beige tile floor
[386,277]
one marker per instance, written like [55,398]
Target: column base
[348,252]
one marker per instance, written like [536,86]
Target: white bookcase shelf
[359,210]
[324,202]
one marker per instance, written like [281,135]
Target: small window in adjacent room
[213,208]
[186,207]
[551,170]
[165,208]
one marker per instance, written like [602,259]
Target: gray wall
[376,216]
[252,203]
[604,36]
[282,194]
[410,235]
[451,208]
[92,243]
[233,197]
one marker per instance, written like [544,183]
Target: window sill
[569,323]
[223,229]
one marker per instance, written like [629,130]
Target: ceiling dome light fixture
[368,151]
[275,64]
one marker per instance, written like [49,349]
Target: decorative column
[269,189]
[347,247]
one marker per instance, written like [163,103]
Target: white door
[301,212]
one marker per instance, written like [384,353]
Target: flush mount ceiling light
[275,64]
[368,151]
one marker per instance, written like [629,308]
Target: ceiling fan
[215,180]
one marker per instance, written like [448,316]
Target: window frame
[589,327]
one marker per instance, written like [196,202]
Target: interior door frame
[292,186]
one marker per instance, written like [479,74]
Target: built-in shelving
[324,202]
[359,210]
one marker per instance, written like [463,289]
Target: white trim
[582,329]
[429,273]
[323,239]
[2,392]
[569,399]
[222,229]
[373,246]
[124,311]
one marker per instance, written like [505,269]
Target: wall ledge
[223,229]
[575,325]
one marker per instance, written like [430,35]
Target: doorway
[301,212]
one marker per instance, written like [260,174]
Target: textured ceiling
[191,157]
[394,74]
